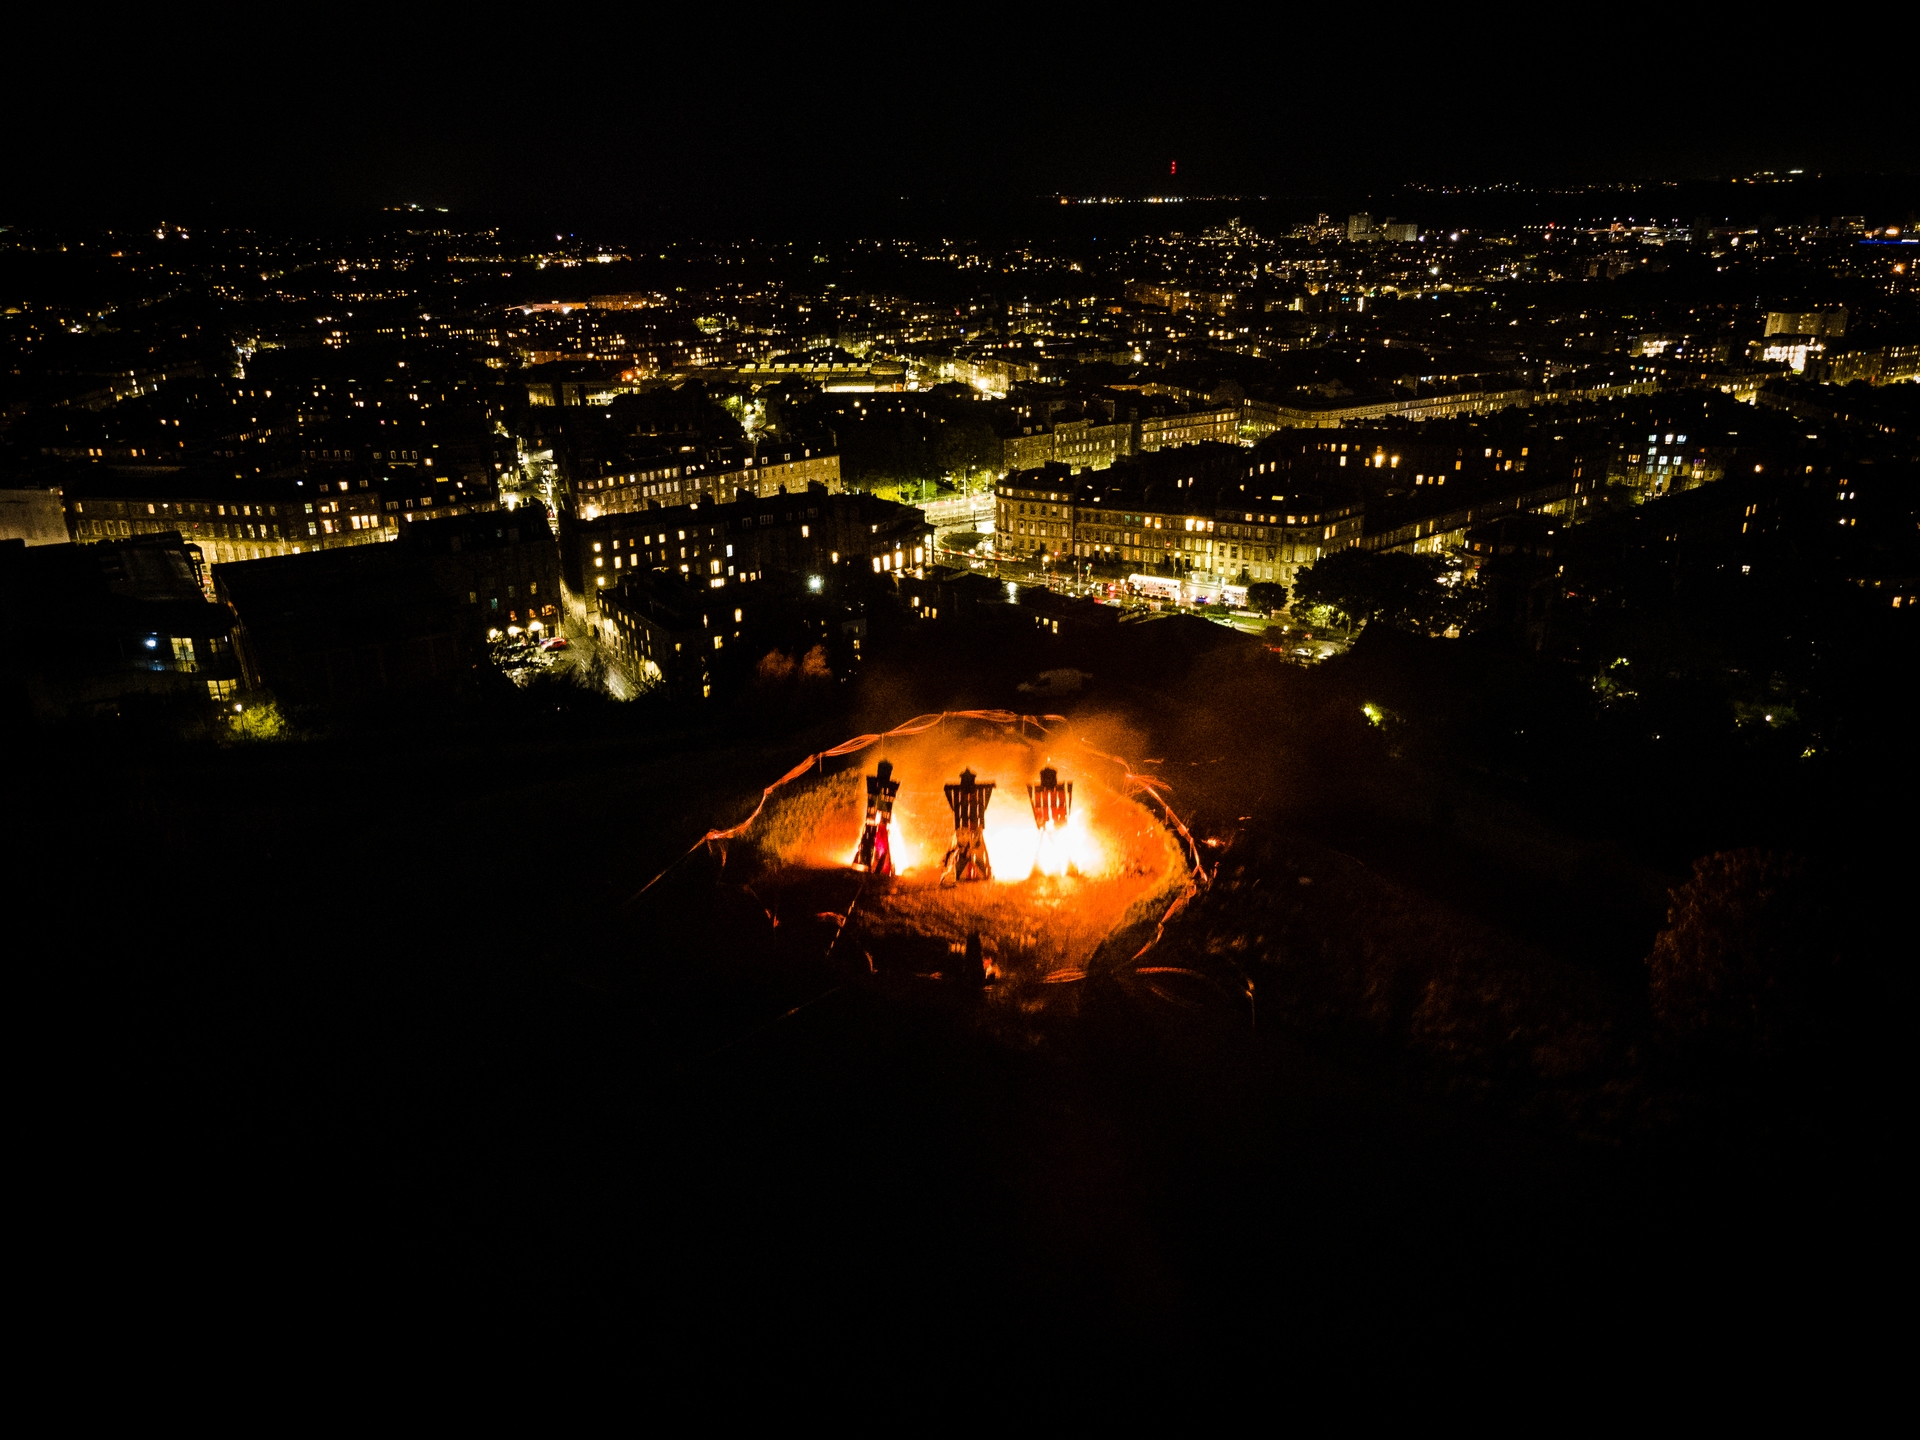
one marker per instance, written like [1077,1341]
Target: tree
[887,445]
[259,721]
[964,442]
[1747,956]
[813,665]
[1266,595]
[1392,587]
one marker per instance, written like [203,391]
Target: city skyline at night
[859,694]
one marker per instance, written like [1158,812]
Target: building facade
[716,546]
[1277,544]
[232,521]
[33,517]
[1808,322]
[1176,525]
[1087,444]
[687,481]
[1220,425]
[113,623]
[501,568]
[678,635]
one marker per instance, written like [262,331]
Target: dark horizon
[613,123]
[1881,199]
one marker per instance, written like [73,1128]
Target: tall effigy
[1052,803]
[876,845]
[967,859]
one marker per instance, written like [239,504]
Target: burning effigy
[922,875]
[1052,805]
[967,857]
[875,855]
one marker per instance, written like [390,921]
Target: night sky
[339,111]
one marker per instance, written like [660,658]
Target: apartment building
[689,480]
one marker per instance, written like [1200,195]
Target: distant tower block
[1052,803]
[967,860]
[876,847]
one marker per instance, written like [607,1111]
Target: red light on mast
[1173,167]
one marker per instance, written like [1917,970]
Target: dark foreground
[360,1037]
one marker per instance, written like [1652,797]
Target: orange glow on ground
[1053,898]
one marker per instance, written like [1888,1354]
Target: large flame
[923,823]
[905,854]
[922,827]
[1019,848]
[1056,893]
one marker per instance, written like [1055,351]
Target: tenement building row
[697,596]
[812,531]
[314,507]
[1185,512]
[1090,442]
[686,480]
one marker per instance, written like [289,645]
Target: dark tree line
[1391,587]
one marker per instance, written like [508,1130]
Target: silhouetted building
[703,643]
[501,567]
[1513,560]
[345,626]
[101,625]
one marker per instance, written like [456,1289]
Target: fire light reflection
[1056,893]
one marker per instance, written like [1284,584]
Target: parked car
[555,642]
